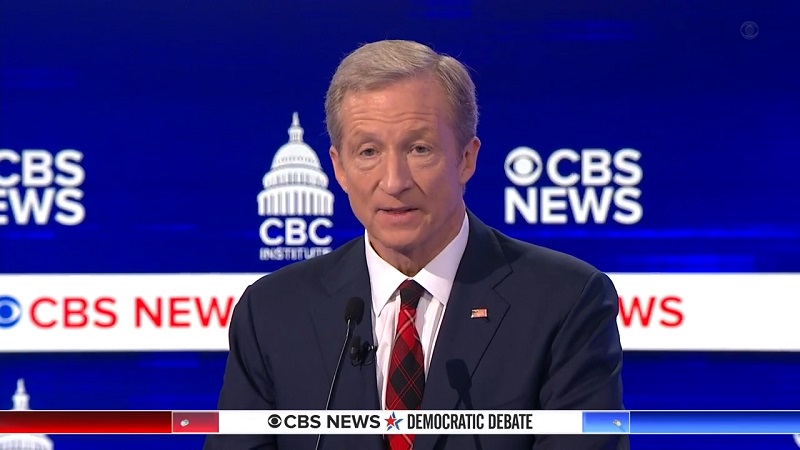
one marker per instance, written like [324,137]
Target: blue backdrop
[178,109]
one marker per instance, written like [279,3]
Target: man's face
[401,167]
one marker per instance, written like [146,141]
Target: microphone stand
[336,373]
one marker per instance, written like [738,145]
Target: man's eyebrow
[359,136]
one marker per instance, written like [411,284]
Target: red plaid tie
[406,378]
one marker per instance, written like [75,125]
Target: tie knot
[410,293]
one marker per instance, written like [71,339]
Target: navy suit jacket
[550,342]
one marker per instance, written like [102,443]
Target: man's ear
[469,159]
[338,170]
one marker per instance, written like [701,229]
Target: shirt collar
[437,277]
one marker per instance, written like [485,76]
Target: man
[463,316]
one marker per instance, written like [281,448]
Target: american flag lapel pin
[479,313]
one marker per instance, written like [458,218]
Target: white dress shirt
[437,280]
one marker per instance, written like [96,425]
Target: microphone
[353,313]
[359,352]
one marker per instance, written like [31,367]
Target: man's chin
[396,241]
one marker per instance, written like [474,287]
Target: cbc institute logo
[295,203]
[591,186]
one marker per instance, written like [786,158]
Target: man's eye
[421,149]
[367,152]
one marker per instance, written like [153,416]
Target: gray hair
[378,64]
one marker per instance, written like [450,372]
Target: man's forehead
[373,130]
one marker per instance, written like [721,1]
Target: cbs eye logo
[10,311]
[523,166]
[274,421]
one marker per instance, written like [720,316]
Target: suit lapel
[346,278]
[462,340]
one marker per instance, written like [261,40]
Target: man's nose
[396,176]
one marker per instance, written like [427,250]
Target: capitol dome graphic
[295,184]
[24,441]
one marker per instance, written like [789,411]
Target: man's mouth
[397,210]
